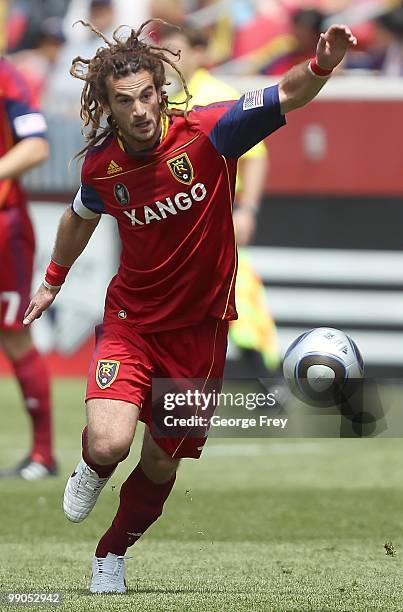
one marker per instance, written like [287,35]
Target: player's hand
[41,301]
[333,45]
[244,225]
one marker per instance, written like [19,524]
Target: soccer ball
[323,366]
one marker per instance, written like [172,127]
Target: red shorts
[17,247]
[125,362]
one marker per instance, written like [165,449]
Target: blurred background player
[389,28]
[306,26]
[39,65]
[23,145]
[25,20]
[63,96]
[254,332]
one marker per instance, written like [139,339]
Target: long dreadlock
[118,59]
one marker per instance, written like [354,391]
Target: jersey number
[10,300]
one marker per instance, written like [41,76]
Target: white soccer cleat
[81,492]
[108,574]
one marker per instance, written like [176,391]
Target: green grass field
[273,525]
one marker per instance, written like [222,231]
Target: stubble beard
[133,137]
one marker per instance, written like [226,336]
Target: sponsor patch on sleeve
[253,99]
[27,125]
[106,373]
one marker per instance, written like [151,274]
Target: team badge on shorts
[181,168]
[107,371]
[122,195]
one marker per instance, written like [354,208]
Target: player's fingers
[347,34]
[350,36]
[341,30]
[33,312]
[331,32]
[322,43]
[29,309]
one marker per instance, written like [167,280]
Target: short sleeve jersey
[19,118]
[173,206]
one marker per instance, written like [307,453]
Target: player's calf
[156,463]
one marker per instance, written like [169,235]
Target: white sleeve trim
[29,125]
[81,210]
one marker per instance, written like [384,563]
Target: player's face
[134,103]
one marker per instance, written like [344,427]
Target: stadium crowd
[245,36]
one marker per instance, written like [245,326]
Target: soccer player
[169,180]
[23,145]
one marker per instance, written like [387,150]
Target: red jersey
[173,206]
[19,118]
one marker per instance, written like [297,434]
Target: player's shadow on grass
[172,591]
[157,591]
[77,593]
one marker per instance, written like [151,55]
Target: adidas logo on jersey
[113,168]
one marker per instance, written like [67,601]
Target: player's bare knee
[105,450]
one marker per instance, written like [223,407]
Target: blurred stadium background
[328,245]
[311,517]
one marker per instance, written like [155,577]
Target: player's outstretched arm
[72,237]
[303,82]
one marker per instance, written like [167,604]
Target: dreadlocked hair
[118,59]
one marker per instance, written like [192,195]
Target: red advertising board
[350,147]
